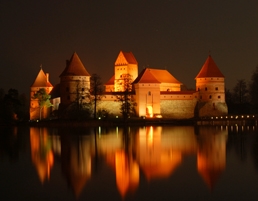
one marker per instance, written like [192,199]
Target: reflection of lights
[150,136]
[99,130]
[117,131]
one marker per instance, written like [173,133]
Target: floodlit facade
[156,92]
[41,81]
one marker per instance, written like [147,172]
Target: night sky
[176,35]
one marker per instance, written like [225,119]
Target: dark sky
[172,34]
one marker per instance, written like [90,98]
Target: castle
[156,92]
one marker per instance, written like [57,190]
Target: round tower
[74,82]
[210,84]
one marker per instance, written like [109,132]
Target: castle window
[68,97]
[206,89]
[218,97]
[200,97]
[198,89]
[67,88]
[216,88]
[149,93]
[210,96]
[82,89]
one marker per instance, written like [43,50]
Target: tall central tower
[126,69]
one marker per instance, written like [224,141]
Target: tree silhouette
[125,97]
[96,89]
[43,99]
[253,91]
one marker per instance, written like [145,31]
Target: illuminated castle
[156,92]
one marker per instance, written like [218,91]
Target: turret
[210,84]
[41,81]
[74,82]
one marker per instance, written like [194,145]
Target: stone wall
[178,109]
[212,109]
[111,106]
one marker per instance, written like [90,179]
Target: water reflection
[154,151]
[211,154]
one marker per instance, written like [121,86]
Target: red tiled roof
[125,58]
[41,80]
[75,67]
[145,77]
[209,69]
[149,75]
[111,81]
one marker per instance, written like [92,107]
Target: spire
[75,67]
[209,69]
[42,80]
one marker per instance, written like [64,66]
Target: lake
[129,163]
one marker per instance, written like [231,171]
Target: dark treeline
[13,107]
[243,99]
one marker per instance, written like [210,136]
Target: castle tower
[210,83]
[41,81]
[126,68]
[74,82]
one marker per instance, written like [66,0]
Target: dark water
[147,163]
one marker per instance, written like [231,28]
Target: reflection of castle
[41,152]
[154,151]
[211,160]
[155,91]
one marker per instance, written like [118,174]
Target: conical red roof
[41,80]
[209,69]
[75,67]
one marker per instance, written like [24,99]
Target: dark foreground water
[147,163]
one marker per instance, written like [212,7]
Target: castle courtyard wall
[178,109]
